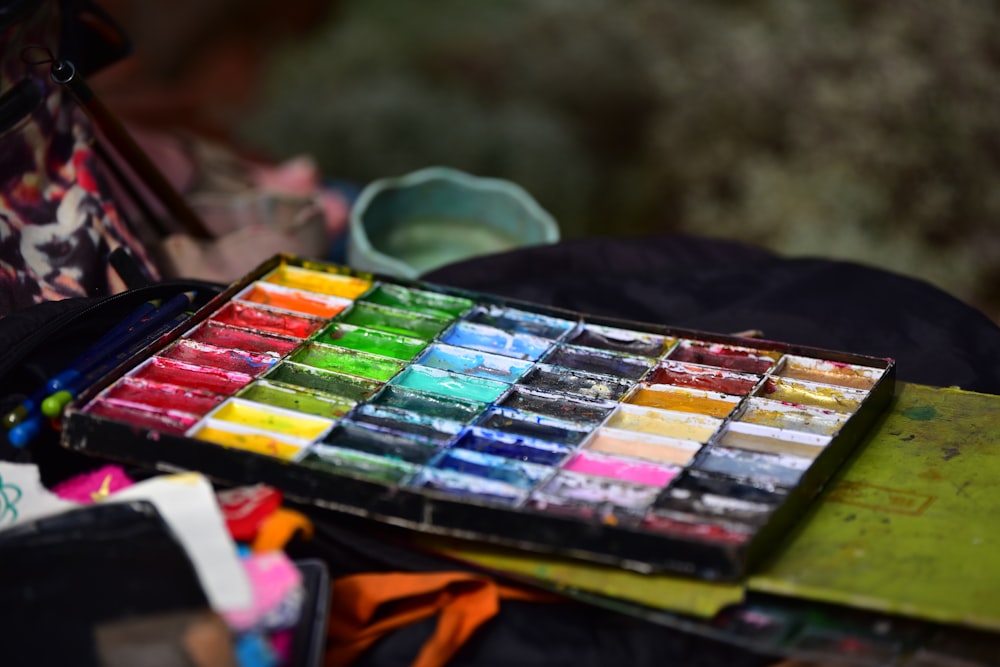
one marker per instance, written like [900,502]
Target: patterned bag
[59,225]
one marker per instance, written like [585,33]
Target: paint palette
[462,414]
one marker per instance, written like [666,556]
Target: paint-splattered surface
[913,525]
[910,526]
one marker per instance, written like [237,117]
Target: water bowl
[409,225]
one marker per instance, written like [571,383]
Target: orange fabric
[278,528]
[367,606]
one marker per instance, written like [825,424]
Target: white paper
[22,496]
[187,503]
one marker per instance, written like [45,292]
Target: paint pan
[394,321]
[682,500]
[569,490]
[617,467]
[260,318]
[574,410]
[612,339]
[296,301]
[421,301]
[810,393]
[517,321]
[474,362]
[238,436]
[349,362]
[512,446]
[679,399]
[699,482]
[535,427]
[339,461]
[777,469]
[468,486]
[321,282]
[299,399]
[436,381]
[777,414]
[274,420]
[497,341]
[361,438]
[191,376]
[203,354]
[583,385]
[324,382]
[489,466]
[144,394]
[372,341]
[430,405]
[682,425]
[159,419]
[829,372]
[644,446]
[598,362]
[756,438]
[730,357]
[414,425]
[703,377]
[222,335]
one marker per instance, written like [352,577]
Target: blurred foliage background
[861,130]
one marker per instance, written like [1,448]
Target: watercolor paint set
[458,413]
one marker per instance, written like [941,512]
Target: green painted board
[690,596]
[911,525]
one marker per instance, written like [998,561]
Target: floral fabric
[58,222]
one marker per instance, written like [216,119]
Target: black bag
[39,341]
[59,222]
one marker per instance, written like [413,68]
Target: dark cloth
[723,287]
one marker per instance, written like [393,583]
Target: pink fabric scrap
[276,584]
[93,486]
